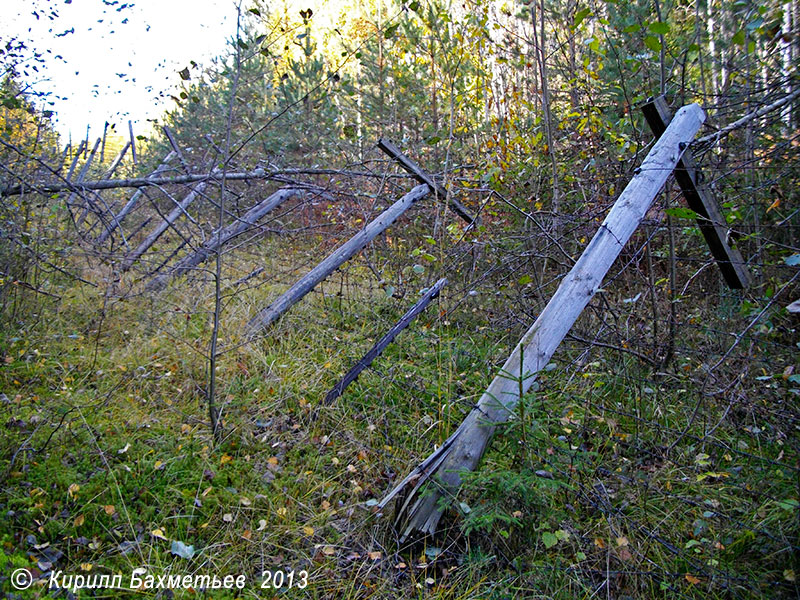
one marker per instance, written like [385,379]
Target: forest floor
[605,484]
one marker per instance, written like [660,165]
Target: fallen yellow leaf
[110,510]
[309,531]
[78,521]
[692,579]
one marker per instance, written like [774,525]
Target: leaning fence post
[342,254]
[116,221]
[387,339]
[223,236]
[463,450]
[165,224]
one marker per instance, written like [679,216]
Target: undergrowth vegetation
[603,472]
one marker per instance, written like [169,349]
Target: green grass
[113,460]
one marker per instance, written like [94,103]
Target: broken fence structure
[439,476]
[420,512]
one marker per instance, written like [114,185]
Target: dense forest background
[146,425]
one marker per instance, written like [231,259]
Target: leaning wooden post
[465,447]
[165,224]
[117,220]
[222,237]
[414,169]
[81,176]
[339,256]
[710,219]
[387,339]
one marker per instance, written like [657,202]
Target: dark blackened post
[710,220]
[410,166]
[387,339]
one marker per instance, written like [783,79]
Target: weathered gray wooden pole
[81,176]
[220,238]
[342,254]
[117,220]
[165,224]
[463,450]
[411,314]
[116,162]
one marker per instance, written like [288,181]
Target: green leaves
[681,213]
[580,16]
[549,539]
[390,31]
[659,28]
[652,43]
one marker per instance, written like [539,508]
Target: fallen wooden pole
[421,511]
[81,176]
[116,162]
[339,256]
[279,175]
[129,206]
[165,224]
[109,173]
[220,238]
[387,339]
[710,219]
[414,169]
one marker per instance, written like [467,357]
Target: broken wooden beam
[463,450]
[248,277]
[710,219]
[387,339]
[342,254]
[166,223]
[81,176]
[222,237]
[116,221]
[414,169]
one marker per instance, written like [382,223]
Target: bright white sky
[157,39]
